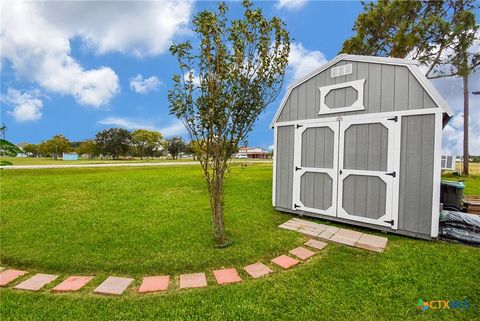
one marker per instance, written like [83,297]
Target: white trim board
[410,64]
[408,112]
[437,176]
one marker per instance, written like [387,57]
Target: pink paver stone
[36,282]
[194,280]
[9,275]
[347,237]
[154,283]
[72,283]
[226,276]
[302,253]
[113,285]
[257,270]
[372,242]
[328,233]
[285,261]
[319,245]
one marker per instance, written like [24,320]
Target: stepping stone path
[257,270]
[226,276]
[72,283]
[285,261]
[302,253]
[334,234]
[372,242]
[194,280]
[118,285]
[113,285]
[36,282]
[319,245]
[9,275]
[154,284]
[347,237]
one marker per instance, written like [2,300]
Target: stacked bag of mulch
[460,227]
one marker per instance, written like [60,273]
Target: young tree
[145,141]
[175,145]
[113,142]
[240,66]
[88,147]
[442,35]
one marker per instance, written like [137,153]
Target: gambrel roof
[410,64]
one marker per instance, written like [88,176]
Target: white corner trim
[274,158]
[437,176]
[357,104]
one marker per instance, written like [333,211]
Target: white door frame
[392,182]
[299,170]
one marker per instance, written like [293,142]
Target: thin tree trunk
[216,203]
[465,125]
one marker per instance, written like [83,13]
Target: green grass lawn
[144,221]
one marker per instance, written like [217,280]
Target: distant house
[251,152]
[70,156]
[21,155]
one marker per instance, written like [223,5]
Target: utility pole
[55,151]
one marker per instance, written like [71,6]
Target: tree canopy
[113,142]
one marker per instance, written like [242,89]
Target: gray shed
[359,141]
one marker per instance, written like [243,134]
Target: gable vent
[341,70]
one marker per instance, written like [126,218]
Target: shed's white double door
[347,169]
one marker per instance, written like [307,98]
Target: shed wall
[284,166]
[416,173]
[387,88]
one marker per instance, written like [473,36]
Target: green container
[451,193]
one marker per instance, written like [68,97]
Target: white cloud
[290,4]
[175,128]
[127,123]
[302,61]
[26,105]
[143,86]
[36,36]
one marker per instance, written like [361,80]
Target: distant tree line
[114,143]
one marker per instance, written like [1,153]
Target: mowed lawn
[147,221]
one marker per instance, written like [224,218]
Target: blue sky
[77,68]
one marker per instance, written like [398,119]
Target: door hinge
[297,168]
[298,126]
[296,206]
[395,119]
[393,174]
[341,172]
[391,222]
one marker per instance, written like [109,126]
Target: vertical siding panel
[284,166]
[388,88]
[293,105]
[302,101]
[362,146]
[311,109]
[328,151]
[362,73]
[426,186]
[401,88]
[373,197]
[416,173]
[415,93]
[428,101]
[374,147]
[374,87]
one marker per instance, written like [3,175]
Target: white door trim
[298,170]
[391,201]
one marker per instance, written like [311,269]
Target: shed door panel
[316,168]
[366,171]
